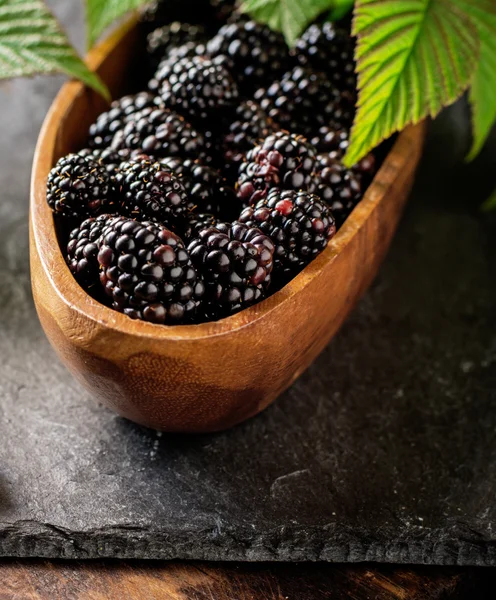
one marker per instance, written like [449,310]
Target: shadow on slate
[384,450]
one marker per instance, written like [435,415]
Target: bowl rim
[73,296]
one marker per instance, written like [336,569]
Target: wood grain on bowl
[211,376]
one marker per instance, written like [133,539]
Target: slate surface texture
[385,450]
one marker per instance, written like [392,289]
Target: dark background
[384,450]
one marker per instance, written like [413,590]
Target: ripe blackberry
[150,191]
[258,54]
[304,100]
[235,261]
[299,223]
[249,125]
[196,87]
[324,47]
[196,222]
[110,159]
[330,140]
[208,191]
[147,273]
[340,187]
[82,250]
[160,132]
[79,187]
[161,40]
[120,112]
[282,160]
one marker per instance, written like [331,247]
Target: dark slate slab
[384,450]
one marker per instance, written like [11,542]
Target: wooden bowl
[206,377]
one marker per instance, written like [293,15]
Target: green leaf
[413,58]
[483,90]
[32,42]
[490,203]
[340,8]
[290,17]
[102,13]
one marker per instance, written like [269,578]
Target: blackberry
[79,187]
[340,187]
[149,191]
[235,261]
[249,125]
[82,250]
[304,100]
[160,132]
[299,223]
[147,272]
[208,191]
[120,112]
[258,54]
[110,159]
[282,160]
[324,47]
[168,37]
[330,140]
[194,223]
[196,87]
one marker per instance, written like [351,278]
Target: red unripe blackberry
[103,130]
[82,249]
[80,187]
[324,47]
[283,160]
[235,261]
[150,191]
[258,54]
[147,273]
[196,87]
[247,126]
[299,224]
[208,191]
[160,132]
[304,100]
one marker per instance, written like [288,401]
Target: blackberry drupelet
[168,37]
[235,261]
[258,54]
[82,250]
[150,191]
[120,112]
[327,48]
[249,125]
[300,225]
[282,160]
[80,187]
[196,87]
[304,100]
[160,132]
[147,272]
[208,191]
[340,187]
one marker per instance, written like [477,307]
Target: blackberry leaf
[102,13]
[413,58]
[32,42]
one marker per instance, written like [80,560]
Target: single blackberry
[324,47]
[168,37]
[304,100]
[196,87]
[120,112]
[208,191]
[299,223]
[340,187]
[258,54]
[235,261]
[149,191]
[79,187]
[249,125]
[147,272]
[194,223]
[107,157]
[82,250]
[160,132]
[282,160]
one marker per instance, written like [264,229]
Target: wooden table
[46,580]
